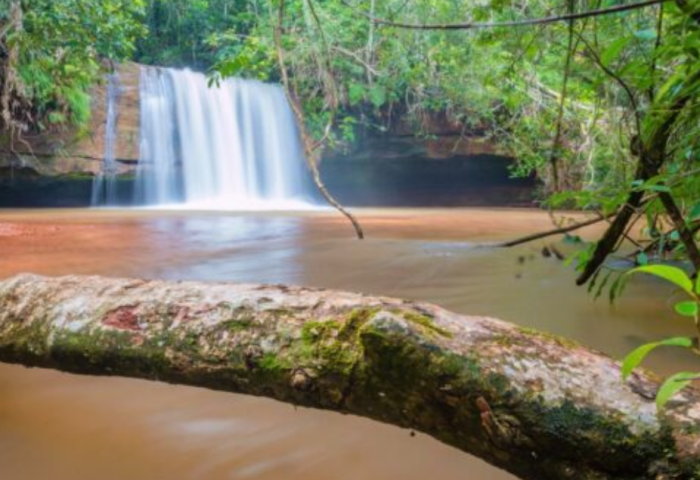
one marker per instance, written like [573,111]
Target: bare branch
[310,148]
[515,23]
[556,231]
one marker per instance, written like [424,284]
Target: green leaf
[672,274]
[672,385]
[377,95]
[642,259]
[602,285]
[356,93]
[694,212]
[634,358]
[613,51]
[572,239]
[669,87]
[617,288]
[687,309]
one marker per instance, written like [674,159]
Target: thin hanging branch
[311,148]
[328,79]
[617,78]
[369,55]
[515,23]
[556,144]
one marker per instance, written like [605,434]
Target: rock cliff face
[74,152]
[81,152]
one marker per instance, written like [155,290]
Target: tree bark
[536,405]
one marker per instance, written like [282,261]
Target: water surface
[67,427]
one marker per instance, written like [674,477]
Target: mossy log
[536,405]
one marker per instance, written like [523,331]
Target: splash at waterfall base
[536,405]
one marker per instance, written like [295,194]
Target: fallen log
[536,405]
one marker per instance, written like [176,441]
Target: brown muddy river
[64,427]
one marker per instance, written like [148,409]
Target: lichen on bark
[533,404]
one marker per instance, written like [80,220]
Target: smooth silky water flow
[229,146]
[104,188]
[64,427]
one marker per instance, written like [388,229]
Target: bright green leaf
[672,274]
[687,309]
[377,95]
[634,358]
[356,93]
[613,51]
[672,385]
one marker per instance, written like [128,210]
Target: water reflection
[218,248]
[59,426]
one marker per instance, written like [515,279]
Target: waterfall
[229,146]
[104,188]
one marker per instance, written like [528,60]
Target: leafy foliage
[679,381]
[62,46]
[635,358]
[195,33]
[672,385]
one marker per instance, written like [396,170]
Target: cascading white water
[104,187]
[231,146]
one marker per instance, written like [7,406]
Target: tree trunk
[536,405]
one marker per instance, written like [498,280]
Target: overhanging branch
[515,23]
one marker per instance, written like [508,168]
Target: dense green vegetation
[52,52]
[183,32]
[689,307]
